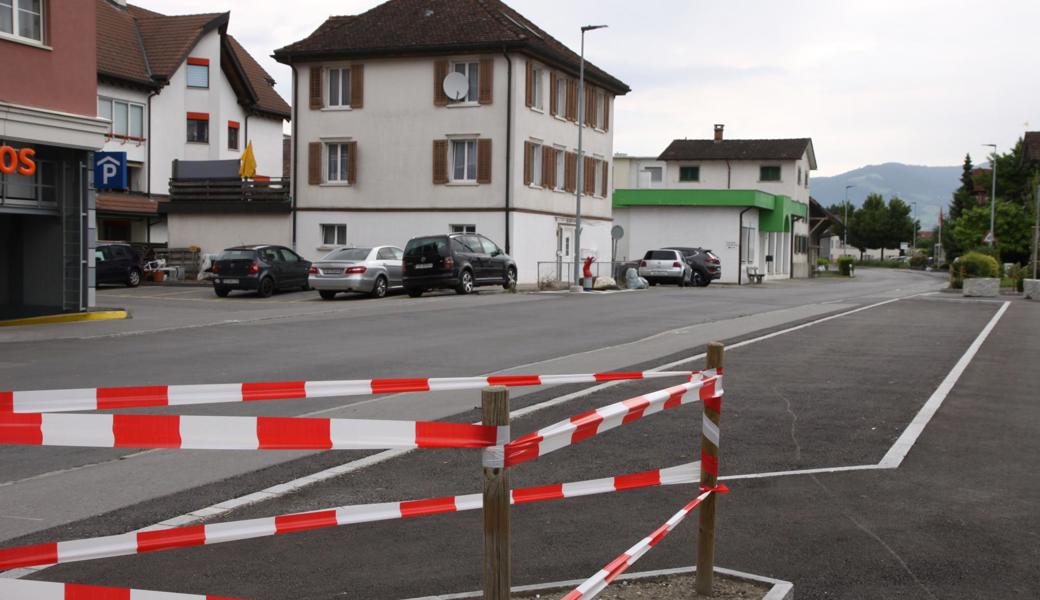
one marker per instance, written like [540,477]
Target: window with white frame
[460,228]
[339,87]
[597,119]
[536,164]
[127,118]
[333,234]
[472,72]
[561,97]
[464,160]
[536,77]
[561,157]
[22,18]
[198,73]
[656,174]
[336,154]
[597,186]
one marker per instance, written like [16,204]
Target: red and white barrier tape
[19,589]
[583,426]
[198,535]
[598,582]
[240,433]
[81,399]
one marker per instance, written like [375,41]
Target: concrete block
[1032,288]
[982,287]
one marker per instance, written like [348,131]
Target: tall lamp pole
[845,224]
[993,197]
[580,172]
[913,243]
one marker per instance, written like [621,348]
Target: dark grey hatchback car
[262,269]
[459,261]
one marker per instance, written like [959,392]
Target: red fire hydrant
[587,272]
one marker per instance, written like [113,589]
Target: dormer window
[197,72]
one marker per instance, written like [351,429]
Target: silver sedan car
[374,271]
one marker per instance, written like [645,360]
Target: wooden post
[497,573]
[709,479]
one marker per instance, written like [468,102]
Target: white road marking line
[906,441]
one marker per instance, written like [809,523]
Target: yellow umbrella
[248,168]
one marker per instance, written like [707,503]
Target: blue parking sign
[110,171]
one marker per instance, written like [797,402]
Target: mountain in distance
[930,187]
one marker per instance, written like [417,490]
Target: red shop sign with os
[13,160]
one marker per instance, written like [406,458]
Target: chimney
[718,131]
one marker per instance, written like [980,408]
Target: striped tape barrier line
[19,589]
[239,433]
[141,542]
[583,426]
[598,582]
[106,398]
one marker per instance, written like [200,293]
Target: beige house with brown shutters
[389,155]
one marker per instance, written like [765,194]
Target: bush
[823,262]
[972,264]
[845,265]
[918,261]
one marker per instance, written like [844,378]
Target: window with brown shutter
[440,71]
[487,80]
[528,163]
[529,96]
[440,161]
[314,163]
[590,106]
[554,108]
[572,101]
[606,179]
[548,168]
[352,163]
[484,161]
[357,86]
[317,97]
[606,112]
[590,176]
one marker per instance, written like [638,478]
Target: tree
[869,227]
[1013,225]
[963,197]
[900,226]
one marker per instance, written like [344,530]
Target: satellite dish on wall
[456,86]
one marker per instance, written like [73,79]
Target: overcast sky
[914,81]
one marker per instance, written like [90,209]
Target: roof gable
[146,48]
[782,149]
[409,27]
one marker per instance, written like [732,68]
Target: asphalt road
[956,520]
[183,335]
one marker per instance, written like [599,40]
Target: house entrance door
[564,251]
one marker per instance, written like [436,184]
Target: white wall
[214,232]
[712,227]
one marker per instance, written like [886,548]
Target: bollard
[497,575]
[709,479]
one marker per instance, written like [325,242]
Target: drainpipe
[790,261]
[246,141]
[295,142]
[509,140]
[148,158]
[740,243]
[729,176]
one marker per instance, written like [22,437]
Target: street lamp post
[580,171]
[993,197]
[845,224]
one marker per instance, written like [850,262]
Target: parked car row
[680,265]
[462,262]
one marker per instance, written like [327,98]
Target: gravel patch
[676,587]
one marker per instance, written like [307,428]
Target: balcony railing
[229,195]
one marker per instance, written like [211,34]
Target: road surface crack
[862,527]
[794,424]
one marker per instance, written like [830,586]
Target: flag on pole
[248,167]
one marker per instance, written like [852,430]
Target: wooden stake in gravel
[497,560]
[709,479]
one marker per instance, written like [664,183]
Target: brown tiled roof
[145,47]
[401,27]
[262,84]
[127,203]
[791,149]
[1031,146]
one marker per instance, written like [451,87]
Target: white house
[746,200]
[180,87]
[382,154]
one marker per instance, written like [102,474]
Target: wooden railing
[229,190]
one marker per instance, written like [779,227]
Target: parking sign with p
[110,171]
